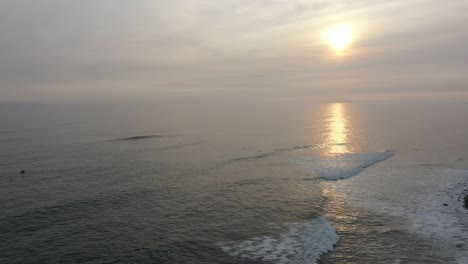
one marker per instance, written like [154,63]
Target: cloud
[63,50]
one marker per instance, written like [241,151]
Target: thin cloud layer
[110,49]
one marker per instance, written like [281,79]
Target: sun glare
[340,37]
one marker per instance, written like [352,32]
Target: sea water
[252,183]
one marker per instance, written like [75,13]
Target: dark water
[250,184]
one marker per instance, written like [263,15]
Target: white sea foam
[427,200]
[303,243]
[343,166]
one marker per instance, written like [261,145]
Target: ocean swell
[342,166]
[271,153]
[138,137]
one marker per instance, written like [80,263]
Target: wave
[303,243]
[428,201]
[138,137]
[271,153]
[343,166]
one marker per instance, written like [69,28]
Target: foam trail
[303,243]
[343,166]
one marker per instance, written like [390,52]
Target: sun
[339,37]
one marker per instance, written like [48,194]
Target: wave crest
[343,166]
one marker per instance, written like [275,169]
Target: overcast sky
[108,50]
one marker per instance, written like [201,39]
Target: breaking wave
[428,201]
[302,243]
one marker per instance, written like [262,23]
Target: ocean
[269,182]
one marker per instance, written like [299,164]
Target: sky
[279,50]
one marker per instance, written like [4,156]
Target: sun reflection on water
[338,130]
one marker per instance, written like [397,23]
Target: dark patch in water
[465,201]
[138,137]
[339,144]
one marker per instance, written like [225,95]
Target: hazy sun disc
[340,37]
